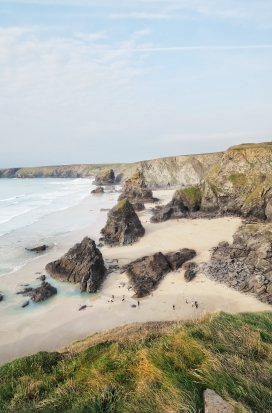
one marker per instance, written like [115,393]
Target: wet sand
[57,322]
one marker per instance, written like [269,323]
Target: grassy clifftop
[155,367]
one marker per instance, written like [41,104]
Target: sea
[38,211]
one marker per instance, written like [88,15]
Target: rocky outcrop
[123,225]
[98,190]
[41,277]
[215,404]
[136,190]
[82,264]
[191,269]
[184,204]
[105,177]
[146,273]
[41,248]
[241,183]
[177,259]
[246,265]
[26,291]
[43,292]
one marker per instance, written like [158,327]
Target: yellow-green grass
[157,367]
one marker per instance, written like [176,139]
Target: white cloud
[145,16]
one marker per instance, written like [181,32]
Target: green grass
[123,205]
[149,368]
[238,179]
[244,146]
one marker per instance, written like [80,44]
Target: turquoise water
[27,210]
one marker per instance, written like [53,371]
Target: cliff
[239,184]
[162,172]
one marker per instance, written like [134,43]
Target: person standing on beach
[138,304]
[174,306]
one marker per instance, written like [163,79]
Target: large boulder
[146,273]
[98,190]
[43,292]
[123,225]
[215,404]
[105,177]
[136,190]
[178,258]
[82,264]
[41,248]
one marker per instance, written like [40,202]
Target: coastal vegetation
[154,367]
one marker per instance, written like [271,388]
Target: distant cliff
[171,171]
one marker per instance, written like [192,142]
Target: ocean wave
[11,199]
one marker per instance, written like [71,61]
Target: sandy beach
[57,322]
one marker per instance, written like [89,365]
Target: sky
[97,81]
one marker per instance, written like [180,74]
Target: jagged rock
[82,264]
[42,277]
[177,259]
[146,273]
[123,225]
[105,177]
[136,190]
[191,269]
[38,249]
[43,292]
[25,304]
[1,297]
[246,265]
[184,202]
[98,190]
[215,404]
[138,206]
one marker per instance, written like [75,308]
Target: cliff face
[175,170]
[242,182]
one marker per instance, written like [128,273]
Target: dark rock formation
[246,265]
[215,404]
[138,206]
[146,273]
[25,304]
[105,177]
[82,307]
[184,203]
[38,249]
[41,277]
[98,190]
[191,269]
[82,264]
[177,259]
[43,292]
[123,225]
[136,190]
[1,297]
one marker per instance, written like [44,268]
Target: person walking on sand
[113,297]
[138,304]
[193,304]
[174,306]
[186,301]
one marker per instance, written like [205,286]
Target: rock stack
[82,264]
[123,225]
[136,190]
[105,178]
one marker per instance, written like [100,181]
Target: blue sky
[101,81]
